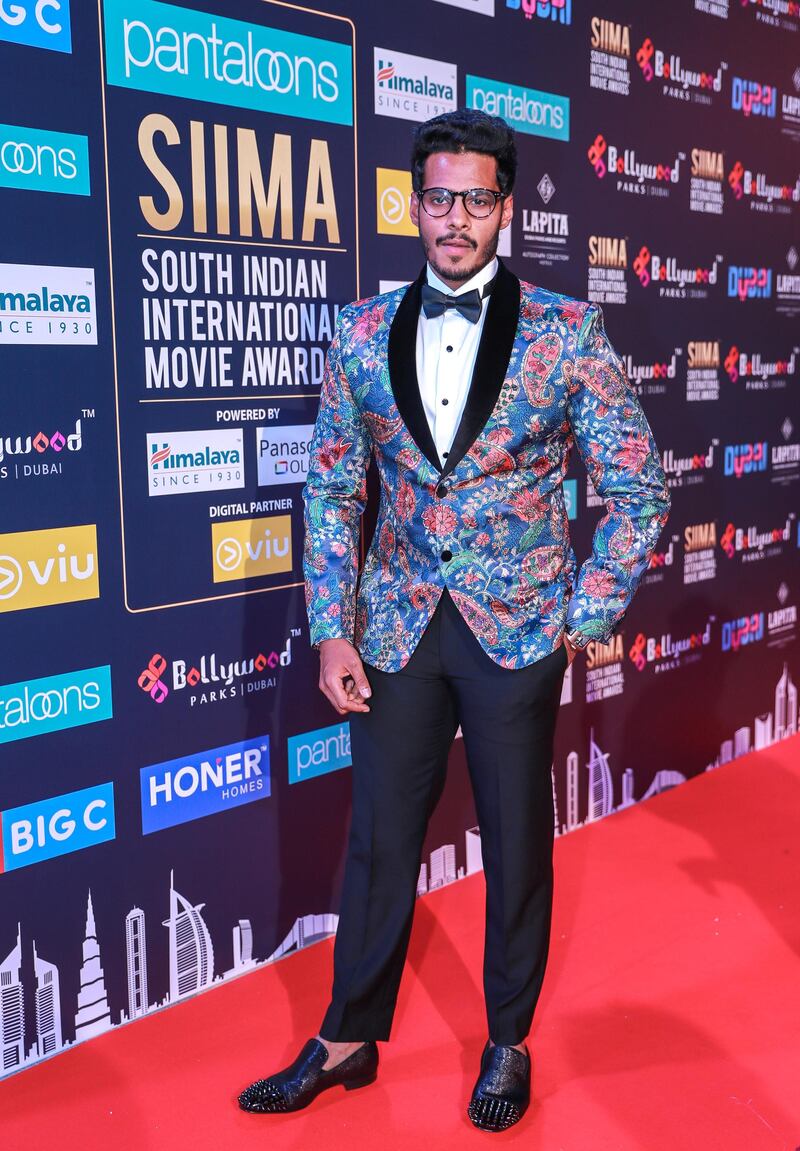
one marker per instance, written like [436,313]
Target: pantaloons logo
[43,161]
[47,567]
[526,109]
[179,462]
[46,305]
[245,548]
[176,51]
[56,702]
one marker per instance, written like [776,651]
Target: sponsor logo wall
[186,228]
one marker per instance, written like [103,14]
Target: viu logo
[37,23]
[48,567]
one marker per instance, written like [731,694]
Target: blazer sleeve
[334,497]
[620,454]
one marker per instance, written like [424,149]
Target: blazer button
[441,490]
[447,555]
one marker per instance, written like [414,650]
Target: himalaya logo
[44,299]
[180,462]
[413,87]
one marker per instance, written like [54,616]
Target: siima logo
[283,454]
[47,305]
[54,703]
[609,36]
[194,786]
[752,540]
[647,649]
[41,443]
[605,158]
[608,252]
[738,632]
[412,87]
[37,23]
[558,10]
[749,283]
[745,459]
[319,752]
[657,64]
[53,827]
[526,109]
[162,48]
[707,165]
[180,462]
[41,161]
[393,188]
[209,671]
[48,567]
[752,98]
[245,548]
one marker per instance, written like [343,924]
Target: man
[468,388]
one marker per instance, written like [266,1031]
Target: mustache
[461,239]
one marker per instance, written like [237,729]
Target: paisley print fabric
[498,535]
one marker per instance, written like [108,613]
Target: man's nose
[459,216]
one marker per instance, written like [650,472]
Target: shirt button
[447,555]
[449,348]
[441,490]
[445,403]
[445,455]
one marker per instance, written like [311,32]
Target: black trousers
[399,752]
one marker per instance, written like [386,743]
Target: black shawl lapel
[491,363]
[403,370]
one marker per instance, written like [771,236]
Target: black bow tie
[434,302]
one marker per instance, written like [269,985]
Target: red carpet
[669,1021]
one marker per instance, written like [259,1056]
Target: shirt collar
[479,280]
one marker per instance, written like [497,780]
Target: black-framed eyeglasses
[479,202]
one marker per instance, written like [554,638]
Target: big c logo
[244,548]
[58,826]
[48,567]
[38,23]
[43,161]
[38,706]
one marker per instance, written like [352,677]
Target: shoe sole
[277,1106]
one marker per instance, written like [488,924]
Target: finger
[337,694]
[356,670]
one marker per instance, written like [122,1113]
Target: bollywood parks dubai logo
[210,679]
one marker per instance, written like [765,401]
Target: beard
[463,271]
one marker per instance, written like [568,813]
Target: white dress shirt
[446,349]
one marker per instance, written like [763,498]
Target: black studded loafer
[503,1089]
[302,1081]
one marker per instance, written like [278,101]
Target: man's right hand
[341,676]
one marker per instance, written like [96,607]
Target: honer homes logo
[54,703]
[246,548]
[413,87]
[194,786]
[48,567]
[57,826]
[180,462]
[40,304]
[163,48]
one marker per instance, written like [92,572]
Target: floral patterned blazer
[491,524]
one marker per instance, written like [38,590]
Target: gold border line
[230,399]
[243,243]
[218,240]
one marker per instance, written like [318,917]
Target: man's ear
[508,210]
[413,209]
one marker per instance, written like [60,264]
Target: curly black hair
[466,130]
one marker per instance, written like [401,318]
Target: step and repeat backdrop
[188,194]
